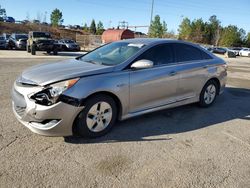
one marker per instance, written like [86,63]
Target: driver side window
[160,55]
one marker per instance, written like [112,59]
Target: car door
[154,86]
[193,70]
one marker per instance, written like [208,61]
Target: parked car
[69,45]
[236,50]
[3,42]
[9,19]
[230,54]
[41,41]
[245,52]
[18,41]
[120,80]
[218,50]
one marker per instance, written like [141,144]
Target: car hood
[45,74]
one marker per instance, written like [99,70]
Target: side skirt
[167,106]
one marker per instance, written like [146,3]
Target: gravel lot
[182,147]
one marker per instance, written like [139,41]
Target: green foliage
[56,17]
[248,40]
[232,36]
[85,27]
[92,27]
[185,29]
[197,30]
[157,29]
[211,32]
[100,28]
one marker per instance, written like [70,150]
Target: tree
[157,29]
[92,27]
[85,27]
[248,40]
[185,29]
[2,12]
[214,30]
[56,17]
[232,36]
[197,31]
[164,27]
[100,28]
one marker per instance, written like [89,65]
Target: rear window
[41,35]
[186,52]
[2,38]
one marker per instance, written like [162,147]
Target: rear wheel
[55,51]
[97,118]
[33,49]
[48,51]
[208,93]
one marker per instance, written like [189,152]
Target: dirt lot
[182,147]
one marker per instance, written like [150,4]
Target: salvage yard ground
[181,147]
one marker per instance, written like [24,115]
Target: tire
[55,51]
[28,49]
[209,93]
[90,123]
[33,50]
[48,51]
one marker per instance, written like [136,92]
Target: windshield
[41,35]
[21,37]
[112,54]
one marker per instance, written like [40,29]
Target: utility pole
[152,12]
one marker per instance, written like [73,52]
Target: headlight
[50,94]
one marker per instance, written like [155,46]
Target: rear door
[193,70]
[155,86]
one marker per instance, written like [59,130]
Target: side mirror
[142,64]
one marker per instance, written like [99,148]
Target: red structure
[112,35]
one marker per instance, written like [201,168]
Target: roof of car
[147,41]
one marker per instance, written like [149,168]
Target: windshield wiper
[91,61]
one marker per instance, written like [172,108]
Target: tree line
[210,32]
[96,29]
[206,32]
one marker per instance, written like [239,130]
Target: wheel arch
[110,94]
[217,82]
[107,93]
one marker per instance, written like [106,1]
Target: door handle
[172,73]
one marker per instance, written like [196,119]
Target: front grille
[18,102]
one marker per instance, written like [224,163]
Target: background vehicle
[236,50]
[18,41]
[69,45]
[218,50]
[245,52]
[41,41]
[3,42]
[118,80]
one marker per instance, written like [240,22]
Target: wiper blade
[90,61]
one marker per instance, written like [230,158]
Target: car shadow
[234,103]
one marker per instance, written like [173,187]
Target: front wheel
[209,93]
[33,49]
[55,51]
[97,118]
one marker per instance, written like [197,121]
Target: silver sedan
[86,95]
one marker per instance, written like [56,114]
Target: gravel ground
[181,147]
